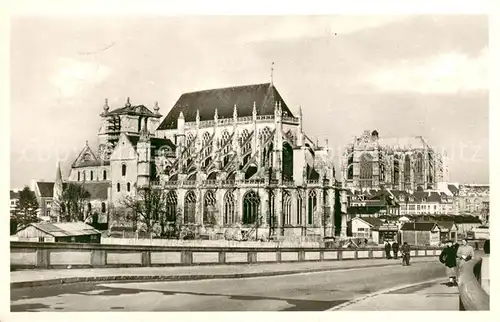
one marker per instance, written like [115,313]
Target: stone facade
[233,160]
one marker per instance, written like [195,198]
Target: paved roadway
[298,292]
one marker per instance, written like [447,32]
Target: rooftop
[66,229]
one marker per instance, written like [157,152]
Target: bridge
[87,277]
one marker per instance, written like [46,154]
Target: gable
[124,150]
[85,158]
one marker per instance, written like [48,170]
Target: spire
[58,172]
[181,116]
[197,116]
[86,143]
[279,107]
[272,74]
[254,111]
[235,113]
[216,115]
[157,108]
[128,102]
[300,111]
[106,106]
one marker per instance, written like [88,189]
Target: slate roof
[97,190]
[453,189]
[224,99]
[133,110]
[374,222]
[66,229]
[418,226]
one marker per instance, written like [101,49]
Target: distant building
[474,199]
[404,163]
[14,201]
[362,227]
[70,232]
[448,231]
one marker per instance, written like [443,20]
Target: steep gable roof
[139,110]
[86,158]
[66,229]
[224,99]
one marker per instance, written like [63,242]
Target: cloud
[75,76]
[445,73]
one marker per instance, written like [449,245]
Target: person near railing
[405,251]
[387,249]
[448,257]
[395,249]
[465,253]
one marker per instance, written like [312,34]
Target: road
[298,292]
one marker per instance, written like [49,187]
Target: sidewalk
[30,278]
[427,296]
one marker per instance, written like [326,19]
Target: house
[386,231]
[420,233]
[14,201]
[448,230]
[70,232]
[44,192]
[363,227]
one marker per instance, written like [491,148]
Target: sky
[404,75]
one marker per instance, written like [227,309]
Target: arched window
[91,175]
[229,208]
[103,207]
[124,170]
[311,206]
[299,210]
[407,169]
[209,208]
[104,175]
[395,177]
[287,208]
[118,187]
[350,166]
[419,168]
[251,205]
[78,175]
[366,170]
[190,207]
[171,207]
[128,186]
[287,160]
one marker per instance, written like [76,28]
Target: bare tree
[148,208]
[73,201]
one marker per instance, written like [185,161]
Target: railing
[472,296]
[24,255]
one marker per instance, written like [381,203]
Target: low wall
[24,255]
[472,296]
[210,243]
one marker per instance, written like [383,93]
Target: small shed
[448,231]
[420,233]
[70,232]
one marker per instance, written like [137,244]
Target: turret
[300,133]
[144,158]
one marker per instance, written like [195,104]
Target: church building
[229,159]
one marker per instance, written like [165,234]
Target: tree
[26,211]
[73,201]
[148,208]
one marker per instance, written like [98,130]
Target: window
[78,175]
[128,186]
[366,170]
[103,207]
[229,208]
[124,170]
[91,175]
[104,174]
[251,205]
[118,187]
[311,207]
[361,229]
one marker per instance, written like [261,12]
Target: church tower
[144,158]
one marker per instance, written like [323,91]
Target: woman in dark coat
[395,249]
[449,258]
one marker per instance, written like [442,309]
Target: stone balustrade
[30,255]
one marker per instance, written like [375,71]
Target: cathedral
[231,160]
[404,164]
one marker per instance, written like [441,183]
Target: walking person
[465,253]
[387,248]
[395,249]
[449,258]
[405,251]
